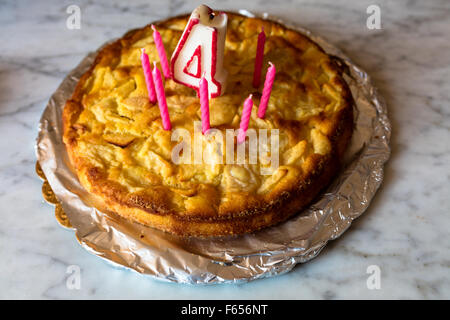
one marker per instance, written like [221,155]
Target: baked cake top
[120,151]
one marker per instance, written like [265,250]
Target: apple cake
[121,153]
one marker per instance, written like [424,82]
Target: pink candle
[270,76]
[259,59]
[161,96]
[204,104]
[148,77]
[245,118]
[161,52]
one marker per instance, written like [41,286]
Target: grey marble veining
[404,231]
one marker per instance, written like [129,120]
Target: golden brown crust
[208,206]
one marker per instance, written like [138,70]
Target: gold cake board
[50,198]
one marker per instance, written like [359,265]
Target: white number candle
[200,51]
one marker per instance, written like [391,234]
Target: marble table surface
[405,231]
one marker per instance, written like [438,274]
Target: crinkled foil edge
[270,252]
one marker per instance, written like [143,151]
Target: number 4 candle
[200,51]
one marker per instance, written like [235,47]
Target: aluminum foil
[269,252]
